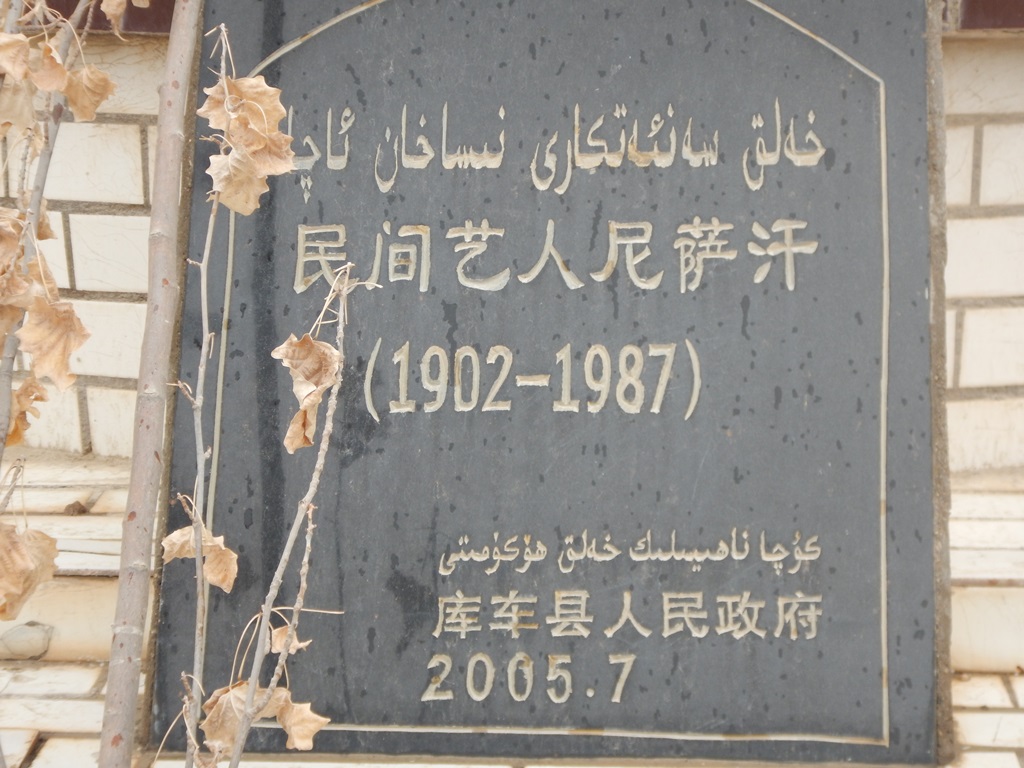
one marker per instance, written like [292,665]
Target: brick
[90,527]
[115,346]
[985,567]
[87,564]
[987,630]
[60,753]
[986,257]
[111,253]
[987,506]
[111,420]
[983,76]
[986,760]
[959,156]
[94,162]
[993,347]
[985,434]
[47,501]
[1002,165]
[136,64]
[990,729]
[112,502]
[61,715]
[54,252]
[16,744]
[47,469]
[81,612]
[977,691]
[48,679]
[987,534]
[58,425]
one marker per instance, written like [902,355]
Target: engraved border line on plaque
[882,740]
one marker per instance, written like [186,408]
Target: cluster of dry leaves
[33,65]
[32,69]
[248,112]
[33,73]
[225,707]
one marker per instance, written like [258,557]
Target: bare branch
[154,398]
[302,514]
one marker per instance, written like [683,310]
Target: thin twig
[17,469]
[206,351]
[302,514]
[199,650]
[293,622]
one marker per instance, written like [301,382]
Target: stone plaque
[634,452]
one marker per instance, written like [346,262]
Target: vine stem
[199,496]
[304,513]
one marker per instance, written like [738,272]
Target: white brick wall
[98,192]
[984,95]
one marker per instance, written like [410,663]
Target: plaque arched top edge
[365,6]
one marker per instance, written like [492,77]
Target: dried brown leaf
[276,156]
[23,404]
[49,74]
[313,364]
[114,11]
[43,229]
[301,724]
[12,223]
[220,564]
[271,154]
[235,178]
[245,97]
[14,52]
[51,332]
[15,290]
[226,706]
[314,367]
[9,318]
[17,111]
[301,429]
[224,710]
[279,636]
[26,561]
[86,89]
